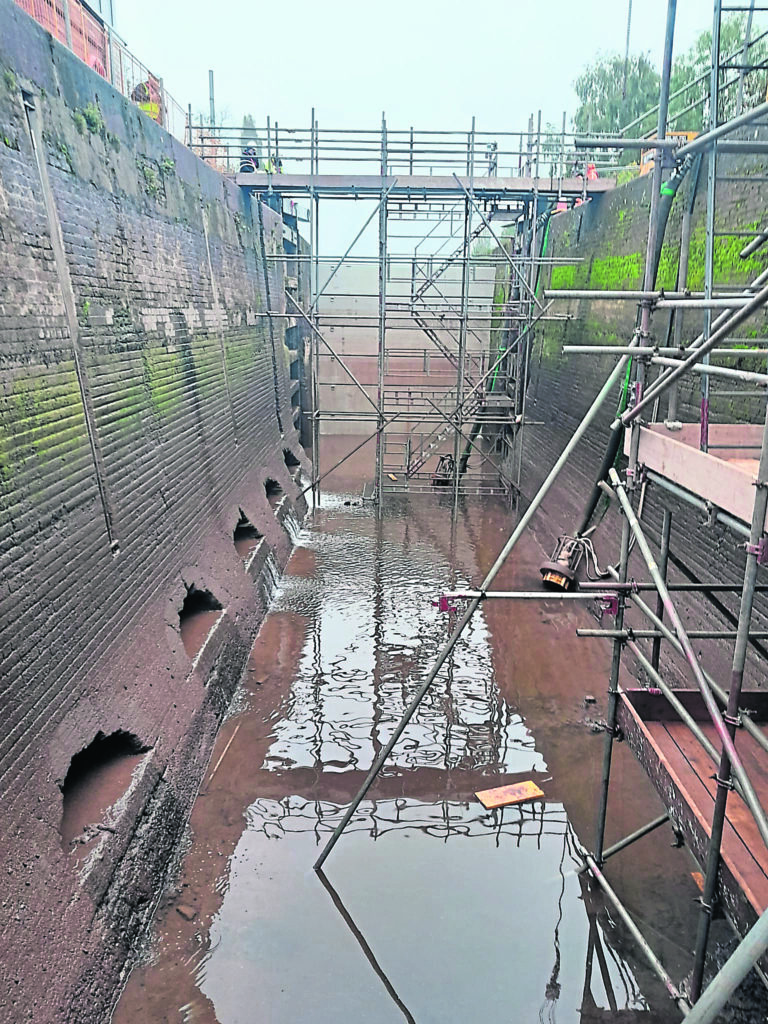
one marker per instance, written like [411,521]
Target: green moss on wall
[563,277]
[617,272]
[728,268]
[669,259]
[163,378]
[41,418]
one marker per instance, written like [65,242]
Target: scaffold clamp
[608,604]
[759,550]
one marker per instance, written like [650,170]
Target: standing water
[433,909]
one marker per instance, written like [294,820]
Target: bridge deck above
[420,186]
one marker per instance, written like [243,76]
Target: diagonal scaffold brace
[605,391]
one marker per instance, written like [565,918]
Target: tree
[607,102]
[250,137]
[696,62]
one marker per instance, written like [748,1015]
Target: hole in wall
[97,777]
[274,492]
[293,465]
[246,537]
[197,617]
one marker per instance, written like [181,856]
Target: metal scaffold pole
[731,716]
[589,416]
[315,334]
[462,353]
[709,245]
[382,336]
[640,369]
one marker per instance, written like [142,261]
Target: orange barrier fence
[96,45]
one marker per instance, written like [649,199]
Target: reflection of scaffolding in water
[447,821]
[363,658]
[437,368]
[719,479]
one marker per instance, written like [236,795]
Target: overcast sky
[425,63]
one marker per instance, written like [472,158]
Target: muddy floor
[432,909]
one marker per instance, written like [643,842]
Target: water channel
[432,909]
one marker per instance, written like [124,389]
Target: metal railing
[94,42]
[404,151]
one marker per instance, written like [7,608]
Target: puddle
[433,910]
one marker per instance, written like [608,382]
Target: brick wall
[142,397]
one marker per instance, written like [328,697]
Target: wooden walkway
[683,774]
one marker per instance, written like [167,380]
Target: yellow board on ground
[519,793]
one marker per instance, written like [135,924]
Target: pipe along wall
[147,458]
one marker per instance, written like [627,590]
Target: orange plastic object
[519,793]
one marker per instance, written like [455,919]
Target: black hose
[669,190]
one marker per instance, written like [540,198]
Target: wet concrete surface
[88,797]
[245,542]
[196,627]
[433,910]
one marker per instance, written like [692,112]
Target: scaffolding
[412,340]
[722,468]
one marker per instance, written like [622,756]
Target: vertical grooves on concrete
[68,298]
[217,314]
[265,265]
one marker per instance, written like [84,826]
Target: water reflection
[427,925]
[373,634]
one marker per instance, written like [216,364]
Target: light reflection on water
[464,915]
[373,635]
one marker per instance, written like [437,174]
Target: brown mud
[433,909]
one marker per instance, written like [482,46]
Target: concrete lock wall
[606,238]
[145,402]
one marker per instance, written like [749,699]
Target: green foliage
[93,119]
[608,99]
[697,62]
[151,181]
[85,309]
[79,120]
[64,150]
[628,173]
[167,166]
[10,80]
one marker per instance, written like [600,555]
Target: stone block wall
[145,400]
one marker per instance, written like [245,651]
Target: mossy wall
[144,401]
